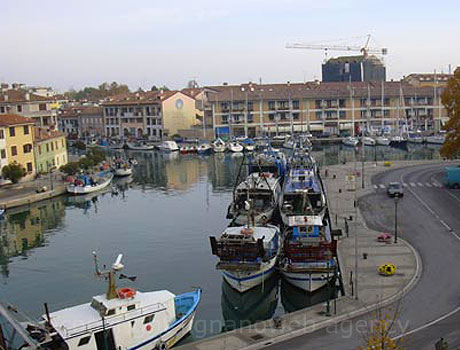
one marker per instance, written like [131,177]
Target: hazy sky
[144,42]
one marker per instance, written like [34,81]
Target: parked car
[395,189]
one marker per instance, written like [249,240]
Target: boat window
[84,340]
[110,312]
[131,307]
[149,319]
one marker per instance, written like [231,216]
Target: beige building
[333,108]
[180,112]
[42,109]
[427,79]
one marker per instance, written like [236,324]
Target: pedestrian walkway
[410,184]
[360,256]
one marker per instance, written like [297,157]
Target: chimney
[27,96]
[5,97]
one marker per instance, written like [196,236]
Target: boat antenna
[110,274]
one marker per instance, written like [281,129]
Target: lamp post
[396,217]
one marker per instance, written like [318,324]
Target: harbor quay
[360,256]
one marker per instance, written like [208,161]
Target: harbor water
[160,219]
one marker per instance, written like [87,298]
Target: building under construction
[354,68]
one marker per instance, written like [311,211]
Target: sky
[72,44]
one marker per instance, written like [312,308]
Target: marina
[65,231]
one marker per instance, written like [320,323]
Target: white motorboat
[168,146]
[369,141]
[289,144]
[263,190]
[235,146]
[204,149]
[247,254]
[122,169]
[382,141]
[350,141]
[414,138]
[436,139]
[84,184]
[140,146]
[123,318]
[218,146]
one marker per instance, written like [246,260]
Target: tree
[451,100]
[380,330]
[14,172]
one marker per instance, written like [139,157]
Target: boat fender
[264,218]
[162,345]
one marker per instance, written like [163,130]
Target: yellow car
[387,269]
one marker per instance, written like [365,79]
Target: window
[26,130]
[29,167]
[149,319]
[295,104]
[19,108]
[62,143]
[27,148]
[42,107]
[130,307]
[2,109]
[2,134]
[2,154]
[52,146]
[39,149]
[84,340]
[12,131]
[47,147]
[14,151]
[110,312]
[271,105]
[57,146]
[295,116]
[250,118]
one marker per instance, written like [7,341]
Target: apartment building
[16,135]
[50,150]
[335,108]
[82,121]
[42,109]
[427,79]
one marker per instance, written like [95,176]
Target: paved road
[429,218]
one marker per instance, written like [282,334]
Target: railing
[112,320]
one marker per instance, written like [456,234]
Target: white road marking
[419,184]
[436,184]
[382,186]
[428,184]
[376,187]
[405,185]
[412,184]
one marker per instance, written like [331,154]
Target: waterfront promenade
[364,294]
[25,193]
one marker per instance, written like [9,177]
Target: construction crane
[365,50]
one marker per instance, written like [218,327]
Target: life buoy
[126,293]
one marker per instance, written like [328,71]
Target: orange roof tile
[14,119]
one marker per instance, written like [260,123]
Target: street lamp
[396,198]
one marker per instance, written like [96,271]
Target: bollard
[365,256]
[340,190]
[334,176]
[277,322]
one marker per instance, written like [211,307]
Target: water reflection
[294,299]
[25,228]
[243,309]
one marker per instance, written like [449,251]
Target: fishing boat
[369,141]
[302,197]
[398,142]
[121,168]
[350,141]
[218,146]
[382,141]
[168,146]
[413,137]
[204,149]
[2,211]
[235,146]
[309,254]
[270,161]
[84,184]
[122,318]
[262,190]
[289,143]
[140,146]
[278,140]
[247,254]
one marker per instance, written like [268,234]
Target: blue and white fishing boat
[270,161]
[84,184]
[247,254]
[122,318]
[204,149]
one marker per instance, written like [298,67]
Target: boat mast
[110,274]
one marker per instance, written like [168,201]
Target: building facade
[353,68]
[50,150]
[82,121]
[17,133]
[333,108]
[180,112]
[42,109]
[427,79]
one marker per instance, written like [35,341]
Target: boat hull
[88,189]
[309,282]
[244,281]
[123,172]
